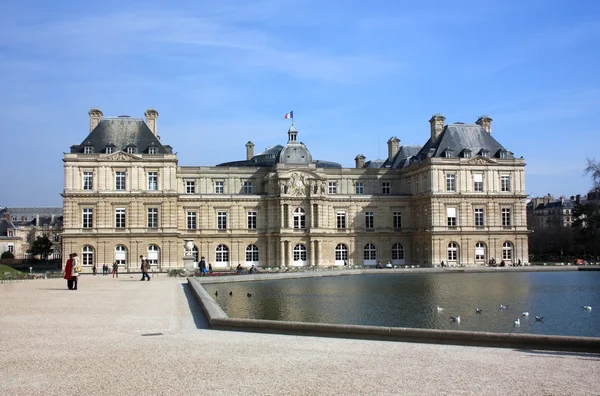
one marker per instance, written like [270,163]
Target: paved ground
[94,341]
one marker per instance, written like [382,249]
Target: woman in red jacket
[69,271]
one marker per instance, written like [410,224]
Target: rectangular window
[88,180]
[109,150]
[451,214]
[11,248]
[190,187]
[88,218]
[359,188]
[120,181]
[247,187]
[397,216]
[478,182]
[385,187]
[152,181]
[251,220]
[341,220]
[88,150]
[130,150]
[219,187]
[369,221]
[332,188]
[152,217]
[152,150]
[221,220]
[506,217]
[450,182]
[191,220]
[120,218]
[479,217]
[505,183]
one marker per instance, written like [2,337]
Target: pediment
[120,156]
[479,160]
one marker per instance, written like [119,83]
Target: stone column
[282,253]
[312,253]
[318,256]
[290,261]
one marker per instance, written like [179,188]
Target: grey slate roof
[122,132]
[404,155]
[270,157]
[458,137]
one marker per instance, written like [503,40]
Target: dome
[295,154]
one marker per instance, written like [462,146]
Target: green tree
[593,168]
[42,246]
[7,255]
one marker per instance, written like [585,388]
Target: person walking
[144,266]
[94,269]
[115,270]
[69,271]
[76,271]
[202,267]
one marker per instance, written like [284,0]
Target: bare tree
[593,168]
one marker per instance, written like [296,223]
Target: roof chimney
[437,125]
[151,119]
[249,150]
[393,147]
[485,122]
[360,161]
[95,117]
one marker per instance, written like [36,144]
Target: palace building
[460,198]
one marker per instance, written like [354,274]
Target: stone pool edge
[219,320]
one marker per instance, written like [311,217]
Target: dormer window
[131,149]
[449,153]
[152,150]
[110,148]
[485,153]
[88,149]
[466,153]
[503,154]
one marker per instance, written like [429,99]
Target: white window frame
[252,219]
[153,150]
[397,219]
[386,187]
[87,256]
[480,251]
[340,219]
[248,187]
[479,217]
[341,254]
[120,255]
[222,255]
[219,187]
[451,216]
[452,251]
[507,248]
[191,220]
[120,180]
[299,216]
[397,253]
[130,150]
[109,150]
[88,180]
[505,183]
[369,220]
[152,181]
[359,188]
[332,187]
[221,220]
[153,254]
[88,150]
[252,255]
[190,187]
[506,220]
[451,182]
[478,182]
[120,217]
[370,253]
[152,217]
[299,254]
[87,220]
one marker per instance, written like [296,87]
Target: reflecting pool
[411,300]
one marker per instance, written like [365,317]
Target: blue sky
[355,73]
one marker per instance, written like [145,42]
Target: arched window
[341,254]
[397,253]
[507,250]
[452,251]
[120,254]
[480,251]
[222,254]
[299,218]
[153,254]
[252,254]
[299,252]
[370,254]
[87,255]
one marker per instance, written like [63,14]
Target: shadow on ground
[199,319]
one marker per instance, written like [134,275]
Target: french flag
[289,115]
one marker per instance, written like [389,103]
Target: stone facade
[281,208]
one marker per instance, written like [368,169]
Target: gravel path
[128,337]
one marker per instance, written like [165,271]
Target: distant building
[546,213]
[19,227]
[460,198]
